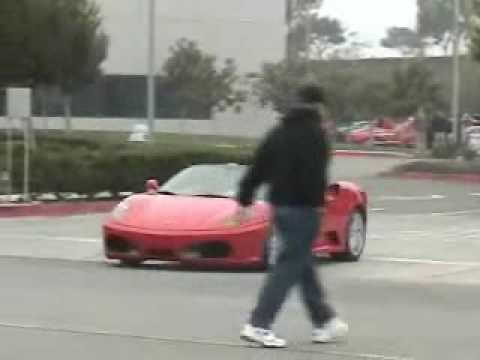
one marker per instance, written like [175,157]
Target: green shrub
[444,151]
[62,167]
[469,154]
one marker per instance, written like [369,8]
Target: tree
[82,46]
[435,22]
[351,94]
[277,82]
[196,86]
[57,43]
[475,30]
[15,67]
[413,89]
[297,11]
[323,34]
[370,99]
[350,50]
[297,8]
[404,39]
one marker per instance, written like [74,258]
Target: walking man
[293,161]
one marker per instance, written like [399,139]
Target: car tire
[356,238]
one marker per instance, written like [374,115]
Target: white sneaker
[331,331]
[263,337]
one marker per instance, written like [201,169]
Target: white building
[249,31]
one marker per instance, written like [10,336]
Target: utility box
[19,103]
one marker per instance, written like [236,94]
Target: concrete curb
[414,175]
[366,153]
[56,209]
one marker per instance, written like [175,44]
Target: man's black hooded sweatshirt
[293,160]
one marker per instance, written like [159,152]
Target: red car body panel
[167,228]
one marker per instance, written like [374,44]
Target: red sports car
[385,132]
[185,221]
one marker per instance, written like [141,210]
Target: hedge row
[88,168]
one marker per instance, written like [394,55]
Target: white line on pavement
[423,261]
[416,215]
[453,213]
[411,198]
[48,238]
[42,328]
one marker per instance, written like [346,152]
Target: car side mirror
[152,187]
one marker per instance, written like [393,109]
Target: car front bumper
[244,246]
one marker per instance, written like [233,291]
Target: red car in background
[185,221]
[359,136]
[385,132]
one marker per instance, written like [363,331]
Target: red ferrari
[385,133]
[185,221]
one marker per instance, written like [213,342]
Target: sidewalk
[9,210]
[437,170]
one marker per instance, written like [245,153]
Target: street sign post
[19,106]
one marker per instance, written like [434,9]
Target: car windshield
[208,181]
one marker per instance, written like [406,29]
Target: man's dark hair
[310,94]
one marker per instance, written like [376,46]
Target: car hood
[185,213]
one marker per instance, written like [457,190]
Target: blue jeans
[296,229]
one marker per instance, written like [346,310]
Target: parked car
[472,138]
[386,132]
[343,131]
[402,134]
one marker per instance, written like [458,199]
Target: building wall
[252,123]
[250,31]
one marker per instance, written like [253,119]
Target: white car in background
[472,138]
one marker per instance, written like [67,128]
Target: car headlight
[120,210]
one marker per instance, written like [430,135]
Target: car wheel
[356,238]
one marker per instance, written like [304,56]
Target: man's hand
[241,216]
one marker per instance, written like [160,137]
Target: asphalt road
[414,295]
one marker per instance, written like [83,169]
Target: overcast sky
[371,18]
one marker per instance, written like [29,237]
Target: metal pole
[9,146]
[151,70]
[456,74]
[26,160]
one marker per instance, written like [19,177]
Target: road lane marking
[411,198]
[48,238]
[107,333]
[423,261]
[445,274]
[454,213]
[416,215]
[415,232]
